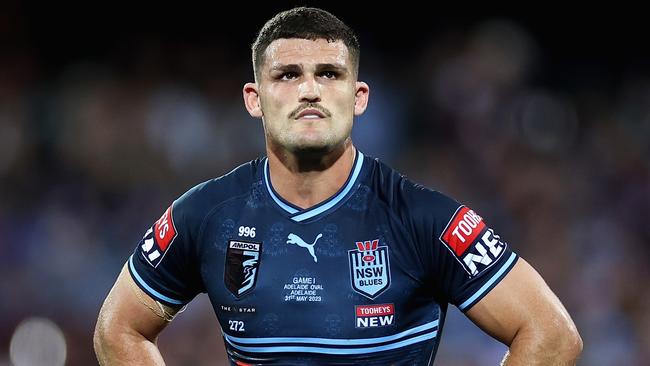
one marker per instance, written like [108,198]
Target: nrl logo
[369,268]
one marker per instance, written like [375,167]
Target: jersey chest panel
[347,275]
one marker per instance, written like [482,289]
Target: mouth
[310,113]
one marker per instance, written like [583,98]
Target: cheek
[347,98]
[277,99]
[345,104]
[269,105]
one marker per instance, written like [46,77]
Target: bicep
[522,300]
[128,309]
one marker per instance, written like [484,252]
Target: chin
[311,148]
[312,141]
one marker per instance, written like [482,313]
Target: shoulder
[236,182]
[201,199]
[408,197]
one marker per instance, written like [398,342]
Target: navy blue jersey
[362,278]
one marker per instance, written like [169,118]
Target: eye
[290,75]
[329,74]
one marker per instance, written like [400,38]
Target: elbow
[567,338]
[101,340]
[107,339]
[565,342]
[554,342]
[572,343]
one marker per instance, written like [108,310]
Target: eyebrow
[320,67]
[285,68]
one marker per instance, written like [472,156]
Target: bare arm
[523,313]
[128,325]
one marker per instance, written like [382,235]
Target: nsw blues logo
[369,268]
[242,266]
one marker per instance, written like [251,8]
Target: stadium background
[109,112]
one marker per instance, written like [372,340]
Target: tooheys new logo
[162,234]
[475,245]
[372,316]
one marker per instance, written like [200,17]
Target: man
[317,254]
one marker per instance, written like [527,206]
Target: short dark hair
[305,23]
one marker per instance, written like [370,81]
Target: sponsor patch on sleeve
[475,245]
[165,230]
[158,238]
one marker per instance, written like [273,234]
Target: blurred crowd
[91,153]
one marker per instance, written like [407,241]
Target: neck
[306,178]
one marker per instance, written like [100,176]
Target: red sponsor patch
[375,310]
[462,230]
[164,230]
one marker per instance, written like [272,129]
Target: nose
[309,90]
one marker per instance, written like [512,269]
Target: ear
[361,98]
[252,100]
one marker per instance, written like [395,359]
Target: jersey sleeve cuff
[490,284]
[150,290]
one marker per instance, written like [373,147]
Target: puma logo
[295,239]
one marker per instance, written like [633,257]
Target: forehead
[304,51]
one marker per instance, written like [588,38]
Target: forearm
[543,349]
[126,349]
